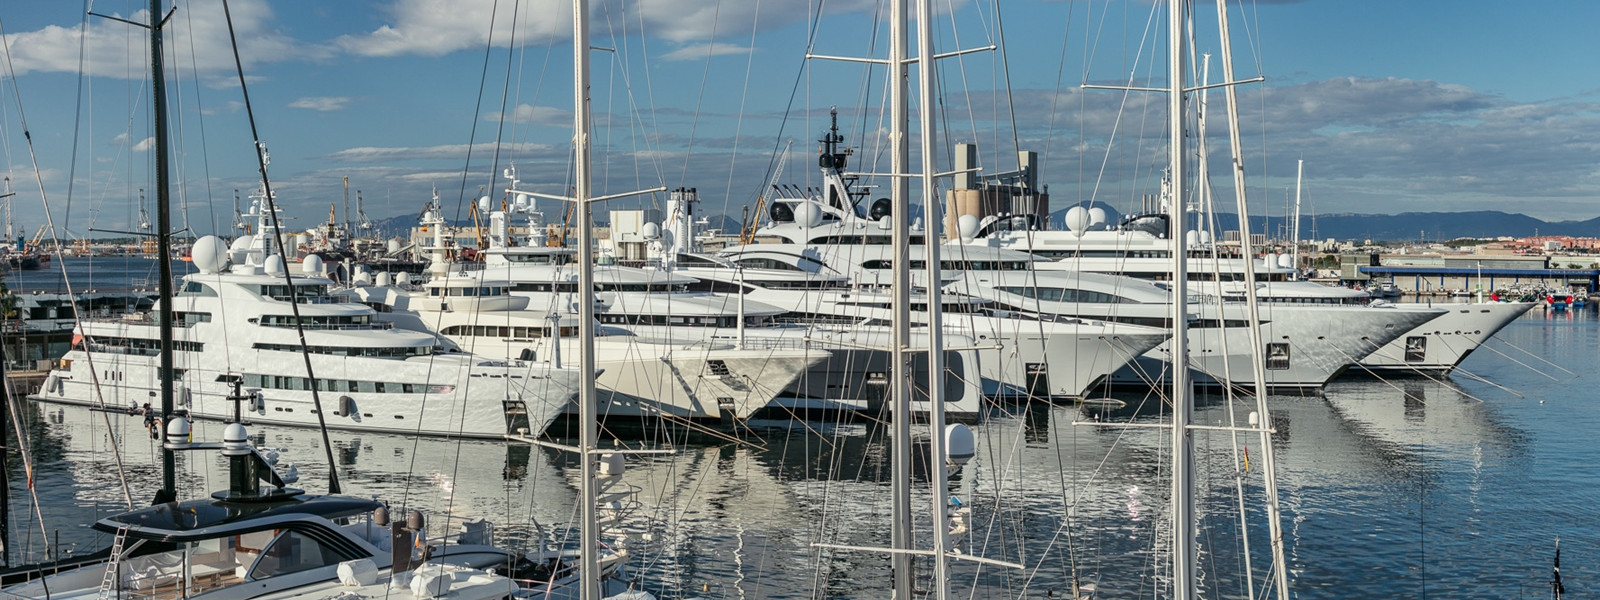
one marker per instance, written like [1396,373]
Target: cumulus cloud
[145,145]
[438,27]
[538,115]
[321,103]
[700,51]
[197,37]
[369,154]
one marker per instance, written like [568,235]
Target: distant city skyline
[1395,107]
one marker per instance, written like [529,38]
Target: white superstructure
[237,323]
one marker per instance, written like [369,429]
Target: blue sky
[1395,106]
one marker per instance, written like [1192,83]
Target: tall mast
[930,208]
[1269,469]
[1183,533]
[587,407]
[900,369]
[1294,249]
[158,89]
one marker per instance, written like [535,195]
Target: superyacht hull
[1306,346]
[851,374]
[1441,344]
[436,396]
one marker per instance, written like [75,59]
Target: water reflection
[1389,488]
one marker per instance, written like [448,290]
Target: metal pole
[158,89]
[587,408]
[1183,538]
[899,378]
[930,241]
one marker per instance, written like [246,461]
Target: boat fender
[347,406]
[358,572]
[431,581]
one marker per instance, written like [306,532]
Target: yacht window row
[374,351]
[306,294]
[467,291]
[139,346]
[955,265]
[502,331]
[323,322]
[289,382]
[1050,294]
[711,321]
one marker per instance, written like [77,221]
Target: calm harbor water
[1400,488]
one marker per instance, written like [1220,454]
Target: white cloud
[145,145]
[541,115]
[437,27]
[321,103]
[700,51]
[197,38]
[369,154]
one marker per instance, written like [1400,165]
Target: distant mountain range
[1429,226]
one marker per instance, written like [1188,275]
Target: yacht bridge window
[369,351]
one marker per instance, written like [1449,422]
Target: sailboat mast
[1294,249]
[158,88]
[900,376]
[587,406]
[932,217]
[1269,470]
[1183,533]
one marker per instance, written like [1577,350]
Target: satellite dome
[967,227]
[1191,237]
[807,214]
[1286,261]
[209,254]
[1097,216]
[651,231]
[402,278]
[483,205]
[274,264]
[1077,219]
[383,279]
[881,208]
[311,265]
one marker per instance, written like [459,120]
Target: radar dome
[1077,219]
[1286,261]
[274,264]
[881,208]
[967,227]
[651,231]
[807,214]
[483,205]
[383,279]
[960,445]
[1097,216]
[1191,237]
[402,278]
[311,265]
[1205,236]
[209,254]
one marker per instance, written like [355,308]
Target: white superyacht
[236,324]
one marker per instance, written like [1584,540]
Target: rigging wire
[270,205]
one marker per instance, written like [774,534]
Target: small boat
[261,537]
